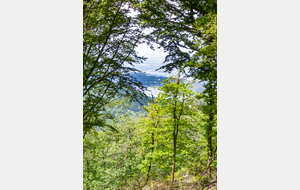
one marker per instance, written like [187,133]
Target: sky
[154,61]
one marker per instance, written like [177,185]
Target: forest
[133,141]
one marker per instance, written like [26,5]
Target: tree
[150,125]
[110,35]
[175,99]
[203,66]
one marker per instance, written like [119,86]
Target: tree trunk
[174,156]
[149,168]
[210,126]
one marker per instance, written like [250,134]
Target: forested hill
[155,81]
[148,79]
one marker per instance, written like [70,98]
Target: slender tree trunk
[149,168]
[174,155]
[152,150]
[210,126]
[88,172]
[175,130]
[211,118]
[84,133]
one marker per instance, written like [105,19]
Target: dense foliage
[170,143]
[109,38]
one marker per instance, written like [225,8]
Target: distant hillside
[152,82]
[149,80]
[155,81]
